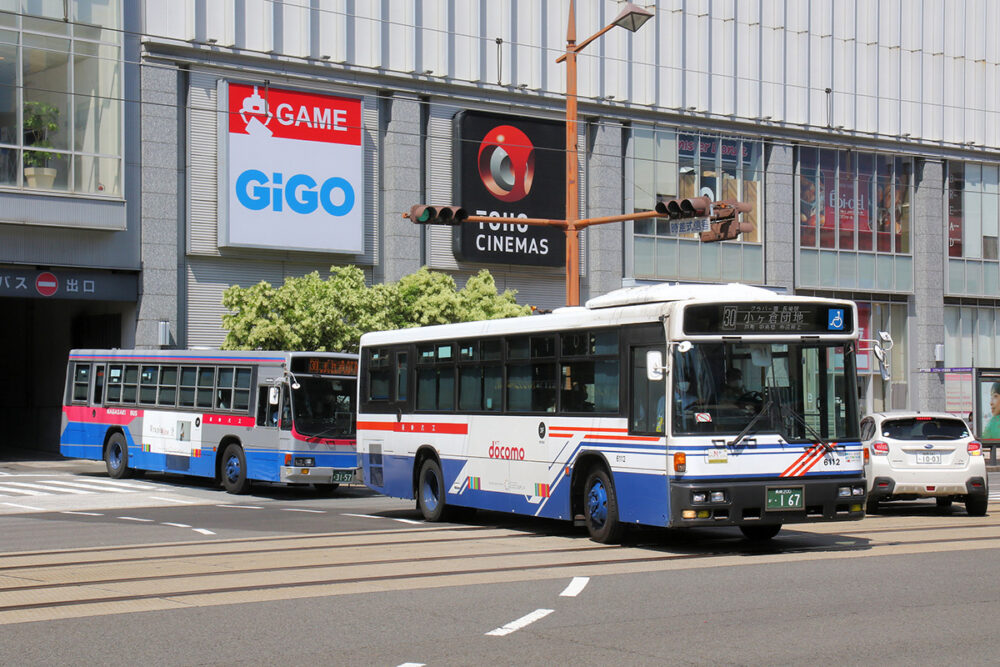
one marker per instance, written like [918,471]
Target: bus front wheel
[430,490]
[762,532]
[600,506]
[116,457]
[234,470]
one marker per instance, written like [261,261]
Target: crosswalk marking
[70,487]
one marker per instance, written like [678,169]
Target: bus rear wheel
[116,457]
[600,508]
[430,491]
[760,533]
[234,470]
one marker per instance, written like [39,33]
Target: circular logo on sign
[507,163]
[46,283]
[541,429]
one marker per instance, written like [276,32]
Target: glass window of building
[854,219]
[61,110]
[668,165]
[973,221]
[876,394]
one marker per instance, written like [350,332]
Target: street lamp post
[724,215]
[631,18]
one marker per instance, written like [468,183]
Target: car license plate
[343,476]
[786,498]
[924,457]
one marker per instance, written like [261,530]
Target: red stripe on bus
[119,416]
[574,429]
[228,420]
[415,427]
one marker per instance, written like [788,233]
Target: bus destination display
[324,366]
[758,318]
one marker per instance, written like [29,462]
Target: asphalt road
[174,571]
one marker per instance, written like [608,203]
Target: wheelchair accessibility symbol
[836,319]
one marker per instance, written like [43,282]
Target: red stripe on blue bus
[415,427]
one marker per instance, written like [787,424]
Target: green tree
[312,313]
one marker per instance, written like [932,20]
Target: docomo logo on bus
[498,451]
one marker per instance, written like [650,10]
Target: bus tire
[760,532]
[600,508]
[116,457]
[234,470]
[430,491]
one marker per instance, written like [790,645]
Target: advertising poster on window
[988,396]
[958,394]
[294,175]
[510,167]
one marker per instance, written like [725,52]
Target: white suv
[912,455]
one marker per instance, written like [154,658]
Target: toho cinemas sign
[510,167]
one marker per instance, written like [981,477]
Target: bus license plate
[343,476]
[788,498]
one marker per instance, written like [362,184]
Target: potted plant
[40,119]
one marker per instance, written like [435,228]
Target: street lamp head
[632,17]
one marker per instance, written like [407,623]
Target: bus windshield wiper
[819,439]
[760,413]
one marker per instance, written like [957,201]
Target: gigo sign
[295,171]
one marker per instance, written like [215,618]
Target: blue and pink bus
[237,417]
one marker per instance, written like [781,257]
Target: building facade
[256,140]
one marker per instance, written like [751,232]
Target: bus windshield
[323,407]
[801,391]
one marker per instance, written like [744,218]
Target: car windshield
[803,392]
[924,428]
[324,407]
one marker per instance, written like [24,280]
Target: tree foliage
[312,313]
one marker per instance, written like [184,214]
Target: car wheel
[943,502]
[600,508]
[976,506]
[234,470]
[430,491]
[116,457]
[760,533]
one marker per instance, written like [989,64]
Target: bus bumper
[320,475]
[752,502]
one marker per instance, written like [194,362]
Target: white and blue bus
[664,405]
[233,416]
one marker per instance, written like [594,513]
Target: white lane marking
[22,492]
[25,507]
[412,664]
[522,622]
[575,587]
[134,518]
[88,487]
[50,489]
[83,513]
[203,531]
[115,482]
[176,525]
[297,509]
[172,500]
[364,516]
[241,507]
[420,523]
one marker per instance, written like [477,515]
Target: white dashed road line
[298,509]
[575,587]
[25,507]
[176,525]
[134,518]
[241,507]
[173,500]
[203,531]
[82,513]
[522,622]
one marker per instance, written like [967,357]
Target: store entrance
[34,345]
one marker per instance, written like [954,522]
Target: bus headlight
[718,496]
[844,492]
[698,497]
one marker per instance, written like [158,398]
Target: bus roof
[629,305]
[202,355]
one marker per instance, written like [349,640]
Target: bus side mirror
[654,365]
[272,395]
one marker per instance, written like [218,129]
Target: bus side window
[99,384]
